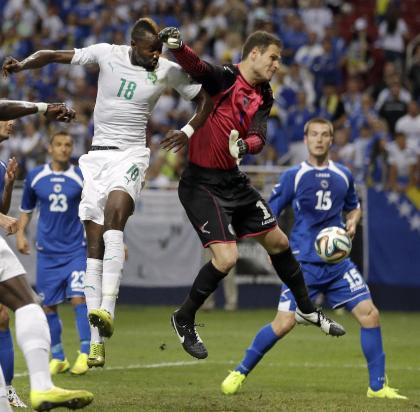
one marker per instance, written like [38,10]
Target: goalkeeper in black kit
[218,198]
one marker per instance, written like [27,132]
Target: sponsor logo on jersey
[322,174]
[57,179]
[203,228]
[324,184]
[267,221]
[231,230]
[151,77]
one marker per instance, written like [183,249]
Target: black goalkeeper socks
[204,285]
[288,270]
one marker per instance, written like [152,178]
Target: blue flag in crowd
[393,223]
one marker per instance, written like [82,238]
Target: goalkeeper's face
[265,63]
[146,51]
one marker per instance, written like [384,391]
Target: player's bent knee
[283,323]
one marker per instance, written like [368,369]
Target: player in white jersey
[131,80]
[32,334]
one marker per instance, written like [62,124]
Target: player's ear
[49,149]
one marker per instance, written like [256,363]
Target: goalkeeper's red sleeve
[189,61]
[255,143]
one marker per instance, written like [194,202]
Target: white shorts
[107,170]
[9,263]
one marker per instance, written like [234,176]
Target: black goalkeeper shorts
[222,205]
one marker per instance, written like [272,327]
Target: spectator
[409,124]
[393,33]
[402,162]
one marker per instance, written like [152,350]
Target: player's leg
[7,358]
[367,315]
[4,402]
[33,338]
[206,282]
[118,208]
[80,366]
[93,288]
[289,271]
[50,284]
[58,363]
[73,267]
[263,341]
[213,226]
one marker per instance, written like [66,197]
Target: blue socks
[54,323]
[83,327]
[263,342]
[371,340]
[7,356]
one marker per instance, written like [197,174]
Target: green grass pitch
[147,370]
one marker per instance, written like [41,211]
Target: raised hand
[11,171]
[237,147]
[174,139]
[60,112]
[11,65]
[171,37]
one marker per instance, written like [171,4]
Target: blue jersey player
[55,189]
[319,191]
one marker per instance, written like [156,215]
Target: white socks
[93,292]
[112,268]
[4,402]
[33,338]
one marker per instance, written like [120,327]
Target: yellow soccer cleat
[102,319]
[59,366]
[385,393]
[58,397]
[80,367]
[233,382]
[96,356]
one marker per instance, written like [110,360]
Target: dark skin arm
[9,180]
[10,110]
[37,60]
[175,139]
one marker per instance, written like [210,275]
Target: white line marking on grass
[206,362]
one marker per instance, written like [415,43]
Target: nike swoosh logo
[110,258]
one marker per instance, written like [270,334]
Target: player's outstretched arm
[35,61]
[11,109]
[176,139]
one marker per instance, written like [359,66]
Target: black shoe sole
[76,403]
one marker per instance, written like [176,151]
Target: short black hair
[144,26]
[60,133]
[260,39]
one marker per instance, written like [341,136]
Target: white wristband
[42,107]
[188,130]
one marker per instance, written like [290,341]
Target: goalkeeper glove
[237,147]
[171,37]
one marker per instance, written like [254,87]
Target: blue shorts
[341,284]
[60,277]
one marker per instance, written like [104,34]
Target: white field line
[274,364]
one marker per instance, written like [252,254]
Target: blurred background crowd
[356,63]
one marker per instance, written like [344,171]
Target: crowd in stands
[361,70]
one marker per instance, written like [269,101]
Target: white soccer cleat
[318,318]
[13,398]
